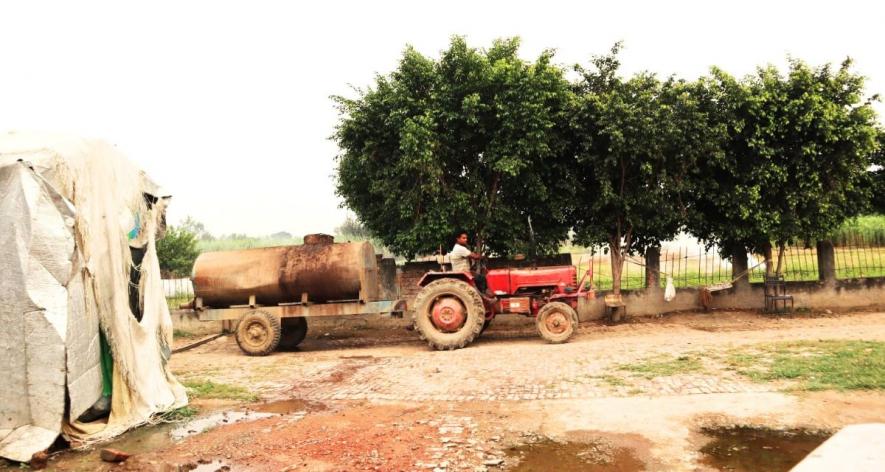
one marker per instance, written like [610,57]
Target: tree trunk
[617,260]
[766,253]
[739,267]
[617,266]
[780,258]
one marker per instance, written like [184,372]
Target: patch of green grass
[174,302]
[196,374]
[179,414]
[664,366]
[246,242]
[614,380]
[208,389]
[869,229]
[180,333]
[815,365]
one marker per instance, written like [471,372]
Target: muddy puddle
[140,440]
[157,437]
[747,449]
[205,423]
[593,456]
[288,407]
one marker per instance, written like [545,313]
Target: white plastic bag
[670,290]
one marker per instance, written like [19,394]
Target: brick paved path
[500,368]
[503,374]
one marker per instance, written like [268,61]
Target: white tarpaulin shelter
[70,209]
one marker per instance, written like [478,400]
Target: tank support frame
[306,310]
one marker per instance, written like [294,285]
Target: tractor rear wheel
[449,314]
[485,325]
[258,333]
[294,331]
[556,322]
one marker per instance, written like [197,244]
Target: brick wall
[409,274]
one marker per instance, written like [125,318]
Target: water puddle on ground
[593,456]
[157,437]
[140,440]
[741,449]
[205,423]
[287,407]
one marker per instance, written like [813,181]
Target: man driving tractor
[454,307]
[461,257]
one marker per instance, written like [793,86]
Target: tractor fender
[570,299]
[431,276]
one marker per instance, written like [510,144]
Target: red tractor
[450,312]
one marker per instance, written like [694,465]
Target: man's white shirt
[460,257]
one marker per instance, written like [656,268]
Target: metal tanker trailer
[272,291]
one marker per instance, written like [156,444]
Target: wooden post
[826,262]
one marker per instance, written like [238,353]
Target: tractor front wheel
[449,314]
[556,322]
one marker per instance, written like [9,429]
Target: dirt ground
[380,400]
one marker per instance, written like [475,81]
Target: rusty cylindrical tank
[318,271]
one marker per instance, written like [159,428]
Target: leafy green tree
[476,140]
[726,206]
[197,228]
[796,158]
[177,252]
[637,143]
[351,227]
[281,235]
[877,177]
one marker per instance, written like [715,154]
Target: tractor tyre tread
[485,326]
[554,338]
[472,325]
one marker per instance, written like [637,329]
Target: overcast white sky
[227,104]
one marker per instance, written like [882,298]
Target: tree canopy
[475,141]
[515,154]
[197,228]
[795,160]
[637,141]
[177,251]
[876,183]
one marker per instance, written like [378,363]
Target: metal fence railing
[178,291]
[697,266]
[800,264]
[690,266]
[860,257]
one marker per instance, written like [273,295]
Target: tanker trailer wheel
[449,314]
[556,322]
[258,333]
[294,331]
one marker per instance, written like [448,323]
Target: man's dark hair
[459,233]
